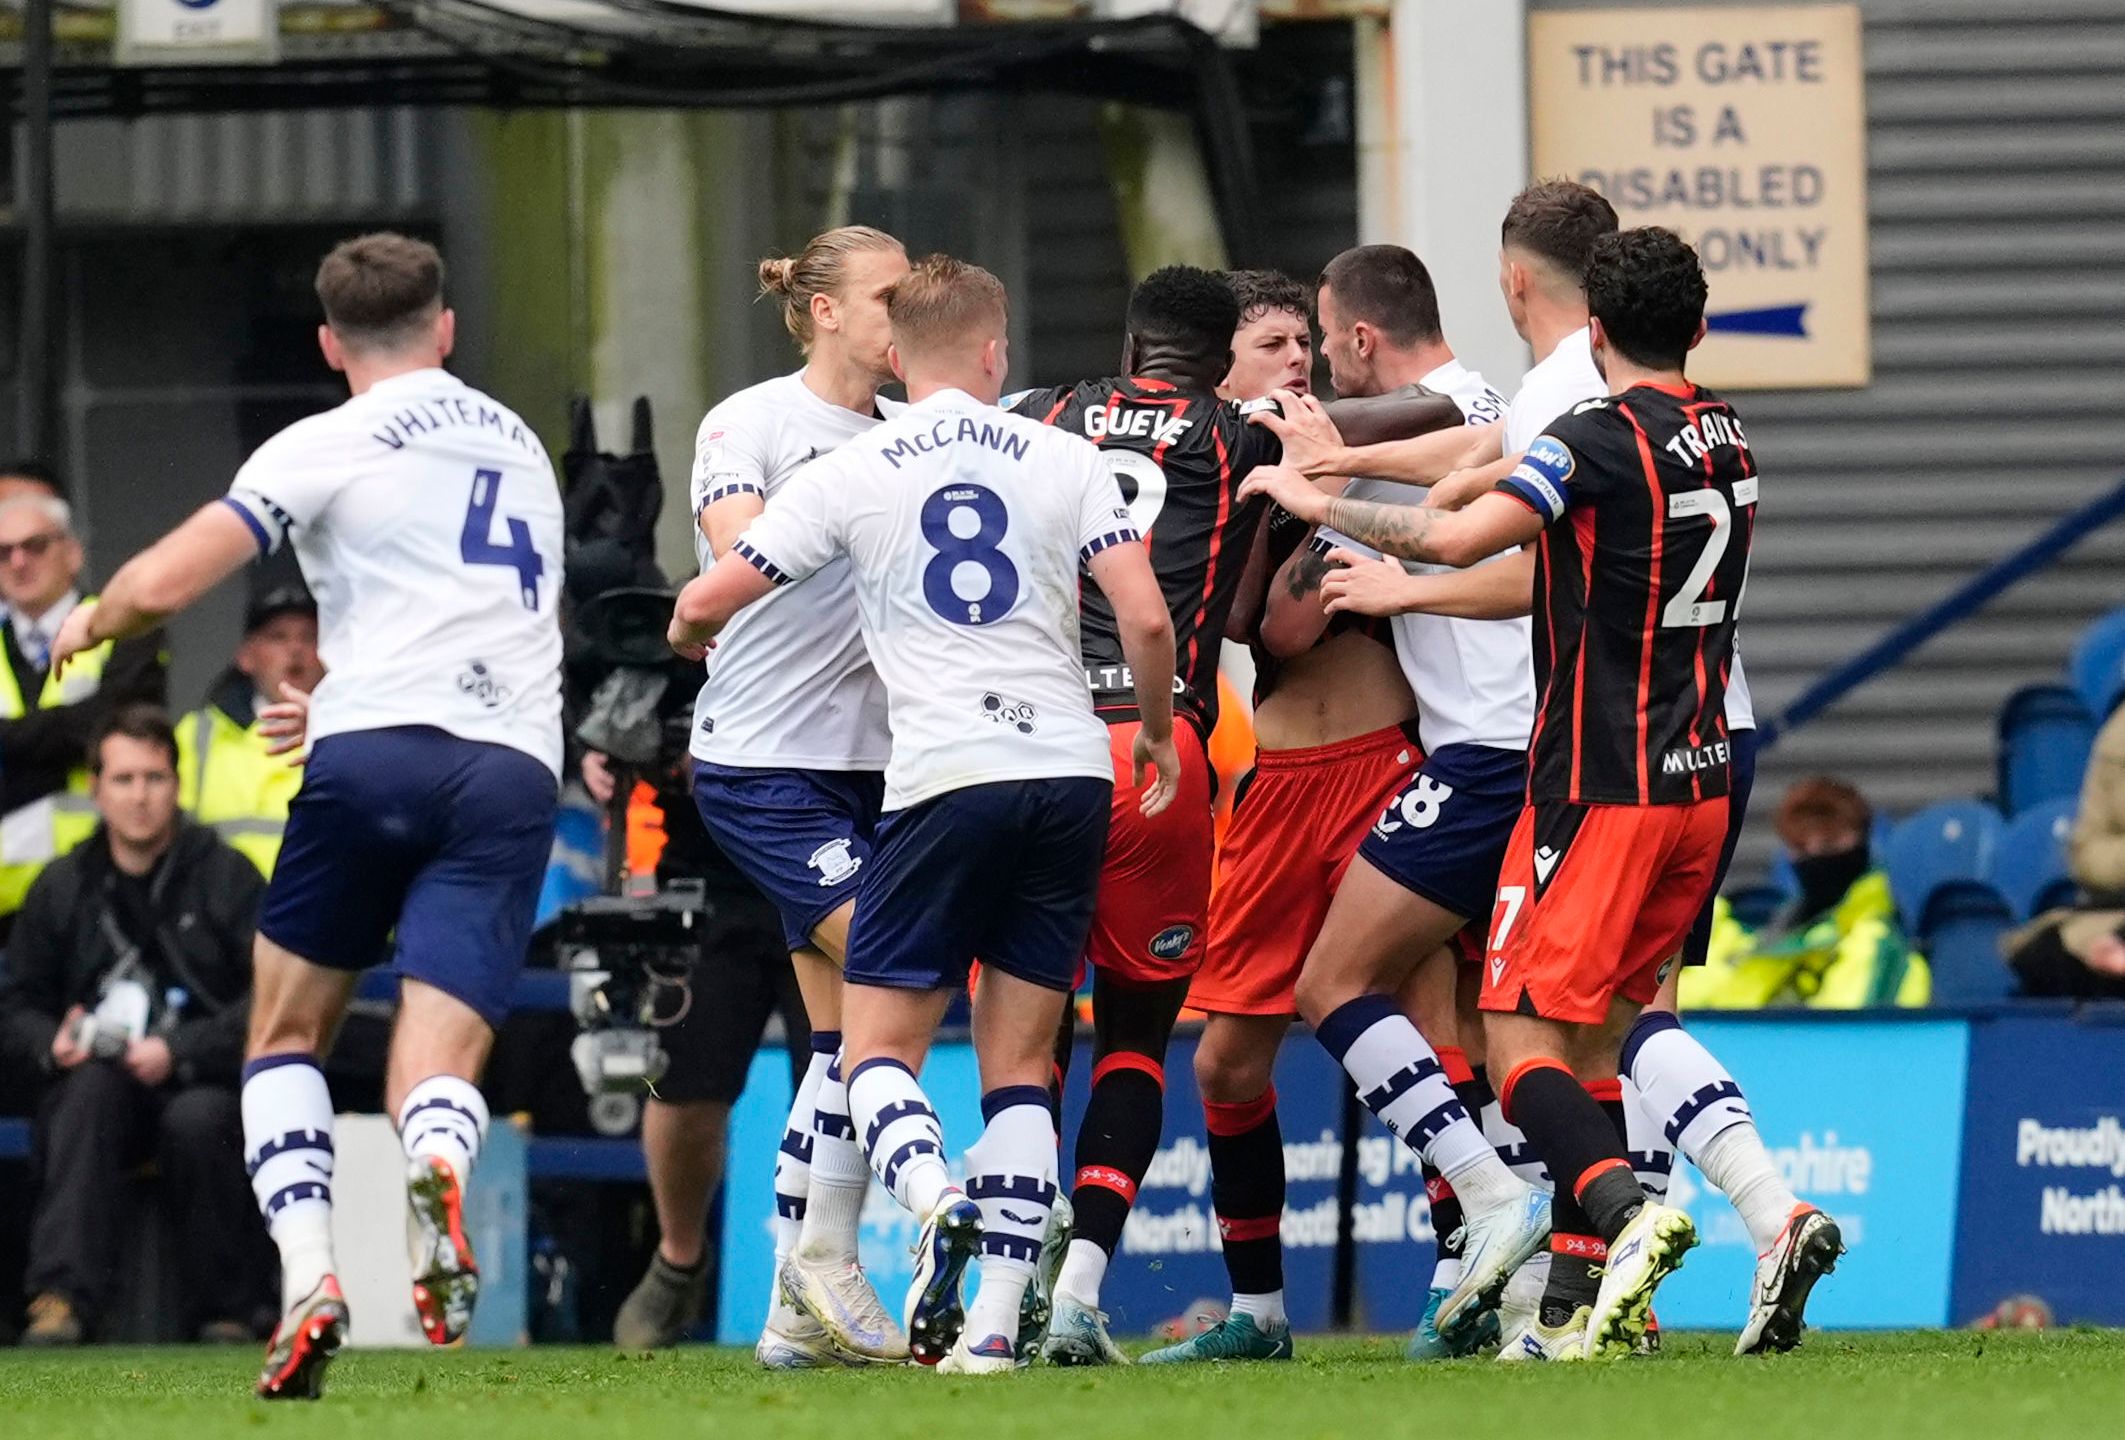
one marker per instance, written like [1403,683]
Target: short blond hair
[820,268]
[942,301]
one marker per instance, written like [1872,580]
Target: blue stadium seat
[2030,870]
[2045,734]
[2098,664]
[1756,905]
[1955,840]
[1960,936]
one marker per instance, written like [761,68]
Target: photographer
[127,983]
[740,978]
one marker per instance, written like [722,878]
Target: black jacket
[39,749]
[207,898]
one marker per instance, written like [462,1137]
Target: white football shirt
[427,521]
[789,683]
[1474,679]
[1565,377]
[966,528]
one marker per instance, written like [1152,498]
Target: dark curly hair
[1647,290]
[1261,291]
[1185,308]
[1559,220]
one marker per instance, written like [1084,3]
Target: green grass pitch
[2066,1384]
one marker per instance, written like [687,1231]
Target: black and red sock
[1116,1141]
[1582,1146]
[1247,1191]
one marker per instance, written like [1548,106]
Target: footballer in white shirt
[966,530]
[789,748]
[427,519]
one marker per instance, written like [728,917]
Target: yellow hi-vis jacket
[34,835]
[1851,957]
[225,779]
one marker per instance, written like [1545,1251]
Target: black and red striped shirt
[1180,456]
[1650,500]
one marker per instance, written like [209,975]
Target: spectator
[225,777]
[2079,953]
[47,720]
[1836,945]
[127,982]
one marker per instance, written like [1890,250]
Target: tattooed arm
[1490,524]
[1292,619]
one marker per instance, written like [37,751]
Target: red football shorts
[1153,910]
[1594,900]
[1295,825]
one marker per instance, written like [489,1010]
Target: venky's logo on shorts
[834,863]
[1172,942]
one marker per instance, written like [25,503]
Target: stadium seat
[2045,735]
[1960,936]
[2030,870]
[1955,840]
[2098,664]
[1756,905]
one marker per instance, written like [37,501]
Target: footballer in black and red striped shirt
[1643,506]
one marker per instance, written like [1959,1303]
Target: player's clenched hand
[286,723]
[73,637]
[1163,758]
[1288,488]
[1364,585]
[1309,436]
[685,641]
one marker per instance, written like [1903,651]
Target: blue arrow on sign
[1777,320]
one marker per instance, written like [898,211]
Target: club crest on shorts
[834,862]
[1172,942]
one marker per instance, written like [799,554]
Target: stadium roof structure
[662,53]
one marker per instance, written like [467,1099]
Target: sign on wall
[1744,130]
[198,32]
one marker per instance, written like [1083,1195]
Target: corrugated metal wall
[245,169]
[1996,160]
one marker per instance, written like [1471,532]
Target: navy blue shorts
[411,828]
[1444,836]
[1006,871]
[801,836]
[1741,779]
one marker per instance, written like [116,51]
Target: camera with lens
[101,1038]
[628,955]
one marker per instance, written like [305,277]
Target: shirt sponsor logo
[1018,714]
[477,681]
[1172,942]
[834,862]
[1693,759]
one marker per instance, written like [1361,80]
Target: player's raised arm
[1315,444]
[1412,532]
[787,542]
[1292,617]
[161,580]
[1503,589]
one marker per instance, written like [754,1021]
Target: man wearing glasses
[45,720]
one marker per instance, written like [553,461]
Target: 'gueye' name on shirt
[941,434]
[429,416]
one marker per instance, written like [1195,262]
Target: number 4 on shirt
[475,548]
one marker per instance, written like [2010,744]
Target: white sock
[1083,1269]
[1400,1079]
[1513,1147]
[1736,1162]
[1652,1157]
[793,1162]
[1686,1092]
[1011,1176]
[444,1117]
[287,1141]
[901,1136]
[1445,1272]
[1266,1311]
[833,1210]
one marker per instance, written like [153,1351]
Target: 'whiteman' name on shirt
[447,412]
